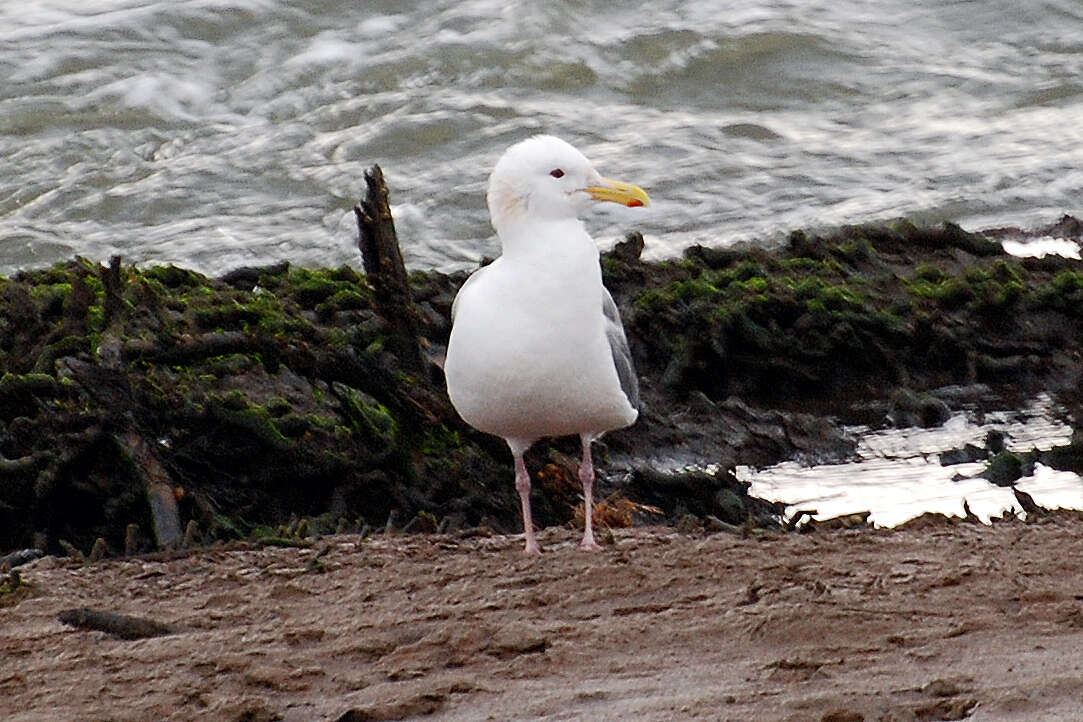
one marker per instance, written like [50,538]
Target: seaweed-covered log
[383,263]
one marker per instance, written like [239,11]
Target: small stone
[934,412]
[941,688]
[843,716]
[912,409]
[689,524]
[969,453]
[994,441]
[71,551]
[99,550]
[131,540]
[191,535]
[517,638]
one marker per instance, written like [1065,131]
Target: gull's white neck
[545,241]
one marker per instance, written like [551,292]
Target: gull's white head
[545,178]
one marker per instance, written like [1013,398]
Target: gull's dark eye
[557,173]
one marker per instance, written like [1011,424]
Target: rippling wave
[215,133]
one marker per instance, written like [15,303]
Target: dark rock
[969,453]
[730,505]
[857,520]
[690,524]
[411,706]
[928,520]
[98,551]
[422,523]
[1027,502]
[1004,469]
[842,716]
[630,248]
[700,494]
[912,409]
[1068,457]
[18,558]
[994,441]
[1067,227]
[248,276]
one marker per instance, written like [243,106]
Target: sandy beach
[940,621]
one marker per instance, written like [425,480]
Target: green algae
[339,287]
[369,418]
[174,277]
[34,384]
[234,410]
[232,315]
[1064,293]
[985,289]
[946,291]
[440,439]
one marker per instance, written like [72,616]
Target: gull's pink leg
[586,476]
[522,485]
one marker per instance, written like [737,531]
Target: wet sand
[939,622]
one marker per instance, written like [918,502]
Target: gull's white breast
[528,355]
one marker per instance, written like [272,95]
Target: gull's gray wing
[618,344]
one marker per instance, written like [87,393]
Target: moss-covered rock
[1004,469]
[856,312]
[270,395]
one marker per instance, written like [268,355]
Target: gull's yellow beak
[617,191]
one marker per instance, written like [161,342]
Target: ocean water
[897,473]
[216,133]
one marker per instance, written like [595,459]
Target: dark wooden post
[114,290]
[383,264]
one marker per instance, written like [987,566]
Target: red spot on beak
[635,203]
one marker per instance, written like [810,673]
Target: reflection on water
[898,475]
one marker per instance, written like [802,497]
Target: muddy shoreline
[939,621]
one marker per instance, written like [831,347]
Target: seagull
[537,347]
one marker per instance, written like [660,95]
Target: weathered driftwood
[117,625]
[114,289]
[110,387]
[386,271]
[160,496]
